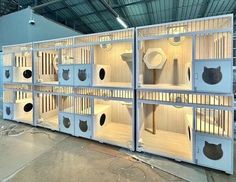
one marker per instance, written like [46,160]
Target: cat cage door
[213,76]
[214,152]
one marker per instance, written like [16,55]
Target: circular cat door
[189,74]
[28,107]
[83,125]
[7,73]
[102,119]
[66,122]
[82,75]
[66,74]
[102,74]
[213,151]
[27,74]
[212,76]
[8,111]
[189,133]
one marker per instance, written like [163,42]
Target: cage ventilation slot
[213,121]
[186,98]
[110,93]
[83,106]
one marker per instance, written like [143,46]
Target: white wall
[15,28]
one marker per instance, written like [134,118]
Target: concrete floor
[43,155]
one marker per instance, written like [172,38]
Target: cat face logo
[7,73]
[212,76]
[65,74]
[8,111]
[66,122]
[83,125]
[27,74]
[82,75]
[28,107]
[213,151]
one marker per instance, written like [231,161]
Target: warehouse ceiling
[88,16]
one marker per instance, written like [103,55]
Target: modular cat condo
[108,61]
[188,55]
[172,81]
[106,115]
[18,103]
[17,63]
[201,133]
[54,105]
[48,56]
[184,91]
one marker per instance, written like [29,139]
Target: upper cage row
[189,55]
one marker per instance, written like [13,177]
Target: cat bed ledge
[154,58]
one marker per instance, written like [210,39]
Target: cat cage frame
[111,59]
[174,55]
[18,103]
[47,58]
[17,64]
[50,104]
[108,112]
[211,119]
[211,100]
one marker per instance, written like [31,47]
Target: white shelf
[167,143]
[50,122]
[166,86]
[115,133]
[115,84]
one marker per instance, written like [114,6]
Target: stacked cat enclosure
[184,91]
[104,85]
[84,86]
[17,80]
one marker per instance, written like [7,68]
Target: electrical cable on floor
[11,130]
[123,170]
[36,131]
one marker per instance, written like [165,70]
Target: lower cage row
[197,135]
[202,136]
[108,121]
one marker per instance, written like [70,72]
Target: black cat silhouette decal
[27,74]
[102,74]
[65,74]
[66,122]
[7,73]
[83,125]
[189,74]
[212,75]
[102,119]
[8,111]
[28,107]
[213,151]
[82,75]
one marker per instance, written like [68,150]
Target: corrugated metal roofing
[92,16]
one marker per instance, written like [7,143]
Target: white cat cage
[187,55]
[108,61]
[184,91]
[18,103]
[17,63]
[108,114]
[48,56]
[172,81]
[53,103]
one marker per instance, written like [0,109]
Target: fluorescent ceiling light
[121,22]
